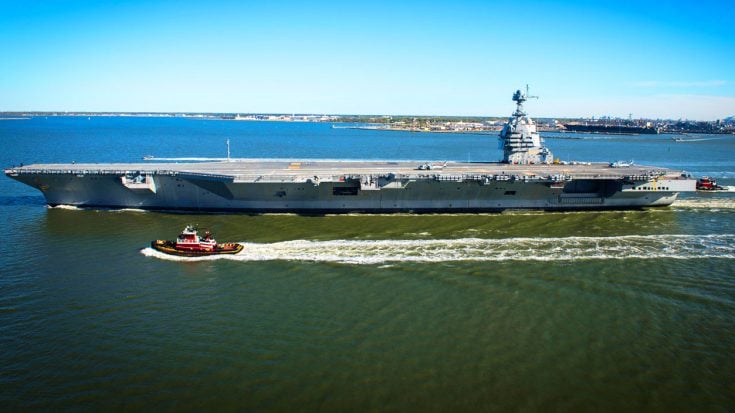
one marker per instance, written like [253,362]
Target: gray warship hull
[311,186]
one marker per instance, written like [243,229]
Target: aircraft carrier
[613,129]
[527,178]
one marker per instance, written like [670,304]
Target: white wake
[705,203]
[475,249]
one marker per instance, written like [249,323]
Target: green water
[98,324]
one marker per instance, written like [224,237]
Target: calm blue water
[608,311]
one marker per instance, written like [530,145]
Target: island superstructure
[519,138]
[527,178]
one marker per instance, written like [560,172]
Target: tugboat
[190,244]
[706,183]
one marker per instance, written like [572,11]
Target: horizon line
[174,113]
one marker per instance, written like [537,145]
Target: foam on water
[684,140]
[705,203]
[474,249]
[129,210]
[76,208]
[66,207]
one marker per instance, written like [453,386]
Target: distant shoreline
[408,123]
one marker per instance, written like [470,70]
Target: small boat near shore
[190,244]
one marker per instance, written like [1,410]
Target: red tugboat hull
[708,184]
[190,244]
[169,247]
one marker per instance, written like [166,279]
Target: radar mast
[520,97]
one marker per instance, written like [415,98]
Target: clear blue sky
[584,58]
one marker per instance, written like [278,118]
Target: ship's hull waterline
[260,186]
